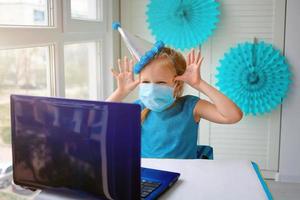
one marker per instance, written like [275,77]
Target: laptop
[88,147]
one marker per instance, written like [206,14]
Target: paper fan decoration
[255,76]
[182,24]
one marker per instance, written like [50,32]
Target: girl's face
[159,71]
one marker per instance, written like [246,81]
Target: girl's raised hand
[125,76]
[192,73]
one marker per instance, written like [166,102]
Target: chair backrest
[205,152]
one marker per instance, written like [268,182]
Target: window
[81,61]
[22,71]
[29,12]
[86,15]
[44,51]
[86,10]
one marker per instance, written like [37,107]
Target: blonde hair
[179,64]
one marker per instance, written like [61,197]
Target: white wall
[289,167]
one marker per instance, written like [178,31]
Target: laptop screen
[62,143]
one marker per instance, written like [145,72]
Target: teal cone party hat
[140,49]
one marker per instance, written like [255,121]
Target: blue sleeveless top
[171,133]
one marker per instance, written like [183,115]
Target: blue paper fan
[182,24]
[255,76]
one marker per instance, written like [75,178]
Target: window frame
[65,30]
[51,17]
[82,25]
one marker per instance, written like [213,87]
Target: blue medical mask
[156,97]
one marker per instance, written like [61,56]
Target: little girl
[169,120]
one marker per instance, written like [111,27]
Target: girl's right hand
[125,76]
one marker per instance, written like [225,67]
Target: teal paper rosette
[182,24]
[255,76]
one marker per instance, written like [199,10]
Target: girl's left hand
[192,73]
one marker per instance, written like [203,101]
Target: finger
[130,68]
[193,55]
[200,61]
[198,57]
[115,74]
[189,58]
[200,50]
[126,67]
[137,81]
[120,65]
[123,64]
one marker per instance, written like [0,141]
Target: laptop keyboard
[147,187]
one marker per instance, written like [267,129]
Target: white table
[203,180]
[211,179]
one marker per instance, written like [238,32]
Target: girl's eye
[161,82]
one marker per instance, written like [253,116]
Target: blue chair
[205,152]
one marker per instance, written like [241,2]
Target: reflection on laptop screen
[60,143]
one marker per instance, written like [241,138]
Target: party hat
[140,49]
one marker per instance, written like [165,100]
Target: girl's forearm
[116,96]
[223,104]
